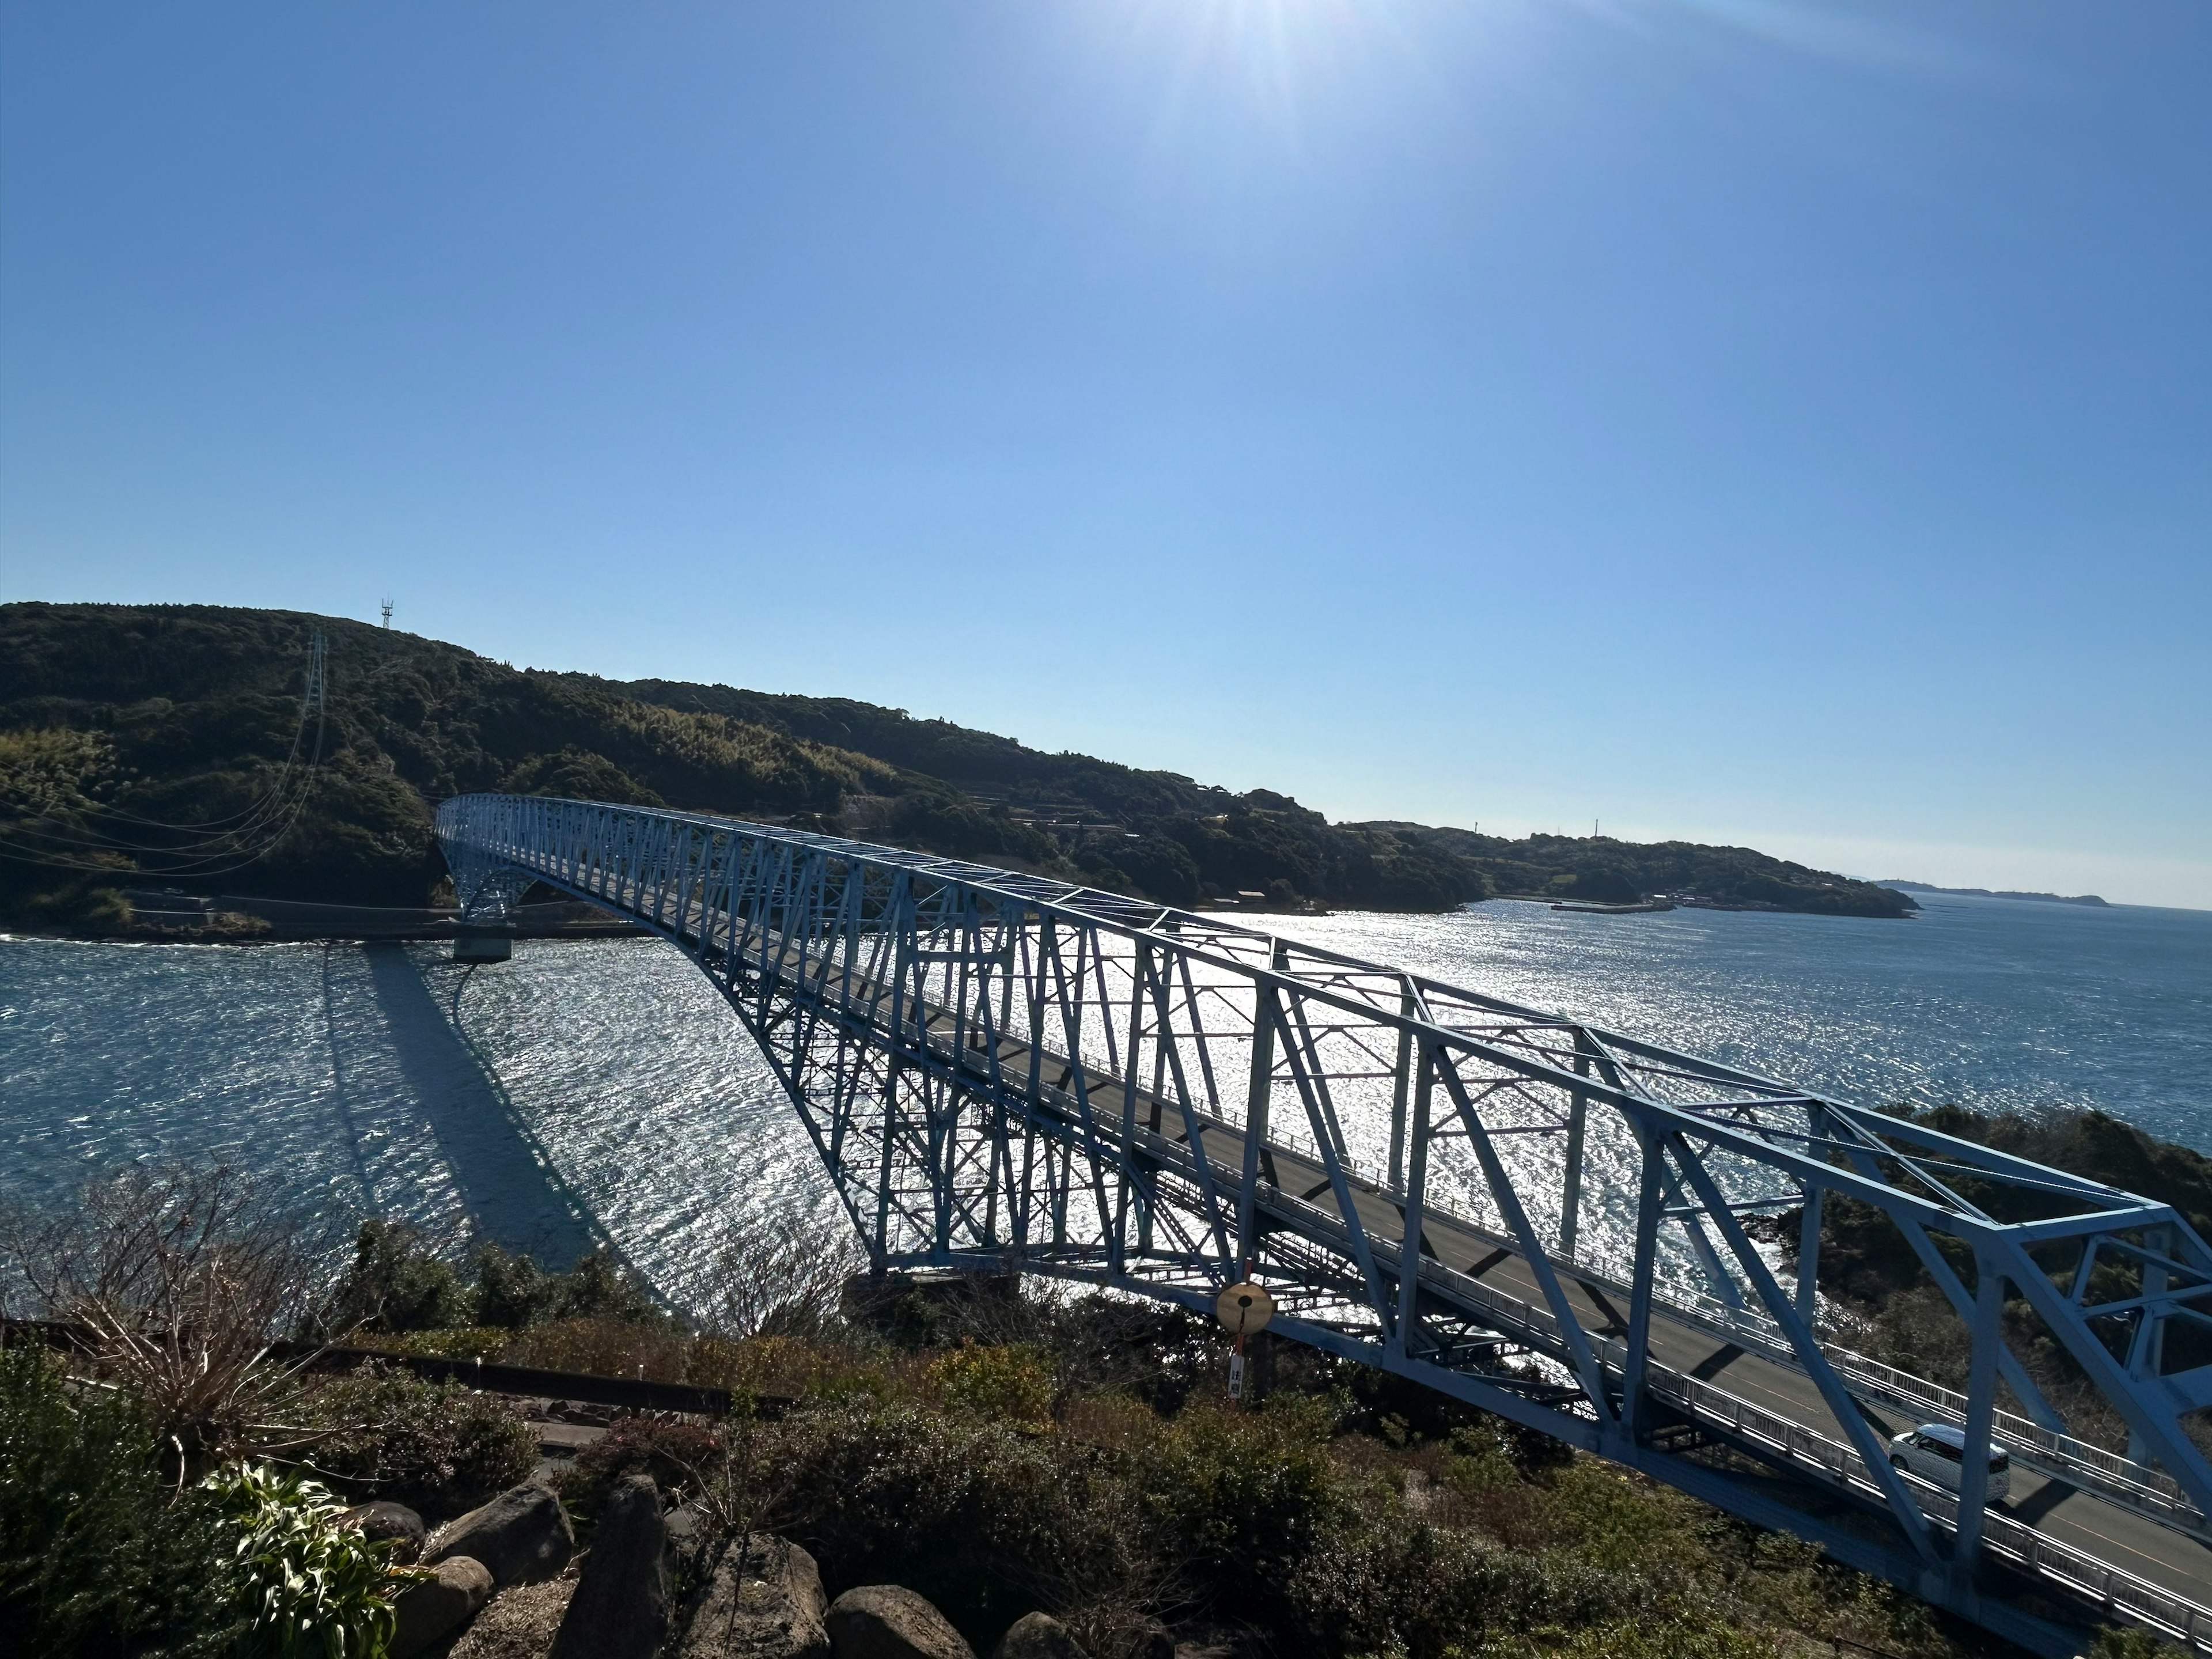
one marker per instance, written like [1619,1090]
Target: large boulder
[620,1609]
[763,1600]
[430,1609]
[1036,1636]
[523,1535]
[889,1621]
[394,1523]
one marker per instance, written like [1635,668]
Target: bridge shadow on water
[512,1192]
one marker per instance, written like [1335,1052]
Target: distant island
[146,746]
[1985,892]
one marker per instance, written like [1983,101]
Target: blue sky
[1740,420]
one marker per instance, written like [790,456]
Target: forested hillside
[163,745]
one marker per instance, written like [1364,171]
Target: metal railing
[2047,1451]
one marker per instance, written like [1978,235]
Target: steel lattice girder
[999,1068]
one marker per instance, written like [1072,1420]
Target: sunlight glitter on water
[603,1090]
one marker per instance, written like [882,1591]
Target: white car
[1937,1452]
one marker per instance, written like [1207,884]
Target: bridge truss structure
[1579,1231]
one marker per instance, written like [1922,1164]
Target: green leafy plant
[311,1587]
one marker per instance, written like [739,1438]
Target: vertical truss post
[1264,1014]
[1127,1189]
[1981,1416]
[2146,1342]
[1416,1189]
[1650,1207]
[1809,1226]
[1401,1076]
[1571,1187]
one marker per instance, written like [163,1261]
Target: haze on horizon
[1748,421]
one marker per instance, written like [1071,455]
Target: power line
[223,844]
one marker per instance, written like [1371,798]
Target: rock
[763,1600]
[520,1624]
[394,1522]
[889,1621]
[687,1536]
[620,1610]
[1037,1636]
[430,1609]
[523,1535]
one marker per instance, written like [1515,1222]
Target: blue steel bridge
[1528,1214]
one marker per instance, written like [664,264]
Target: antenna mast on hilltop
[387,613]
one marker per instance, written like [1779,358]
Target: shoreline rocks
[387,1521]
[1036,1636]
[520,1624]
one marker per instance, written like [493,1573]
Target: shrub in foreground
[101,1559]
[396,1282]
[964,1508]
[678,1456]
[97,1557]
[1248,1497]
[1012,1383]
[436,1446]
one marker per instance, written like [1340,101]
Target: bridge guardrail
[2111,1589]
[2059,1456]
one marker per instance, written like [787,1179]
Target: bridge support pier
[479,943]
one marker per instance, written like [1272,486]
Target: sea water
[590,1092]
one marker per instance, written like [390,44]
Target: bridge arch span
[1531,1213]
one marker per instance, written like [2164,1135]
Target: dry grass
[182,1277]
[519,1622]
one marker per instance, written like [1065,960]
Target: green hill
[162,744]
